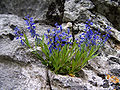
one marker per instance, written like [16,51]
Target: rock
[102,23]
[73,9]
[44,11]
[115,72]
[63,82]
[20,76]
[114,59]
[22,8]
[111,10]
[18,68]
[106,84]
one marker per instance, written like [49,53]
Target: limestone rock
[17,67]
[73,9]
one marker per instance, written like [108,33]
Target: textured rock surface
[110,9]
[19,70]
[45,11]
[36,8]
[16,76]
[73,9]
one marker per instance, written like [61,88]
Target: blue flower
[64,40]
[103,36]
[56,24]
[56,38]
[62,45]
[78,45]
[22,42]
[50,48]
[27,23]
[77,42]
[68,31]
[79,36]
[97,37]
[18,34]
[57,44]
[50,40]
[54,35]
[59,49]
[91,23]
[46,36]
[48,43]
[60,27]
[63,33]
[60,35]
[30,24]
[76,39]
[58,31]
[17,38]
[53,30]
[48,30]
[56,48]
[31,19]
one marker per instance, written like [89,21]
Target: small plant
[62,55]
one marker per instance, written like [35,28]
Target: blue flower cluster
[19,35]
[63,55]
[57,38]
[91,37]
[31,26]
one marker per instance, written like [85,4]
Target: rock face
[23,8]
[19,69]
[111,10]
[47,11]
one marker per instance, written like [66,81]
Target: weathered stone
[115,72]
[44,11]
[15,76]
[22,8]
[110,9]
[74,8]
[17,67]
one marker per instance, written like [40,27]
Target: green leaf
[26,40]
[92,52]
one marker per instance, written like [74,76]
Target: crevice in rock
[89,67]
[11,36]
[81,74]
[4,58]
[93,83]
[101,75]
[48,79]
[55,12]
[114,60]
[105,84]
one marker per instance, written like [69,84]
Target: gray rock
[115,72]
[22,8]
[111,10]
[17,67]
[18,76]
[73,9]
[44,11]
